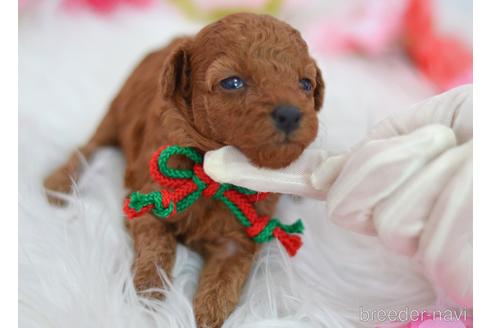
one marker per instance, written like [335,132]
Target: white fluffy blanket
[75,262]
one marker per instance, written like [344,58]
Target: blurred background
[377,57]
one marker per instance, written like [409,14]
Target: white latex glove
[409,182]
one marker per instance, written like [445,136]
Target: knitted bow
[190,185]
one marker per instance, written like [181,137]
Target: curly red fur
[174,97]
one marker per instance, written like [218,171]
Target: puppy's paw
[211,310]
[59,181]
[146,277]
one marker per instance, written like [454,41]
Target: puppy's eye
[306,85]
[232,83]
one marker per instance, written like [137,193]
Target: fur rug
[75,262]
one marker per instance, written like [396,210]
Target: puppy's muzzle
[286,118]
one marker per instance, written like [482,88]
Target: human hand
[409,182]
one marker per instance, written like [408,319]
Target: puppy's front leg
[154,246]
[227,265]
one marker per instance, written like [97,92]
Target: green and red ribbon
[189,185]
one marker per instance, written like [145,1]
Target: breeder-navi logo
[405,315]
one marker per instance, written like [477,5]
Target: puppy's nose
[286,118]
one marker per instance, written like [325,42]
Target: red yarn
[291,243]
[187,182]
[257,225]
[212,186]
[167,198]
[131,213]
[156,173]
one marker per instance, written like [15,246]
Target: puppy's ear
[319,92]
[176,76]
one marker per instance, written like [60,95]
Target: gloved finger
[229,165]
[446,245]
[326,173]
[377,169]
[453,109]
[400,218]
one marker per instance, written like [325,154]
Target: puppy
[246,80]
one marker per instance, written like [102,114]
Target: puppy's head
[248,81]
